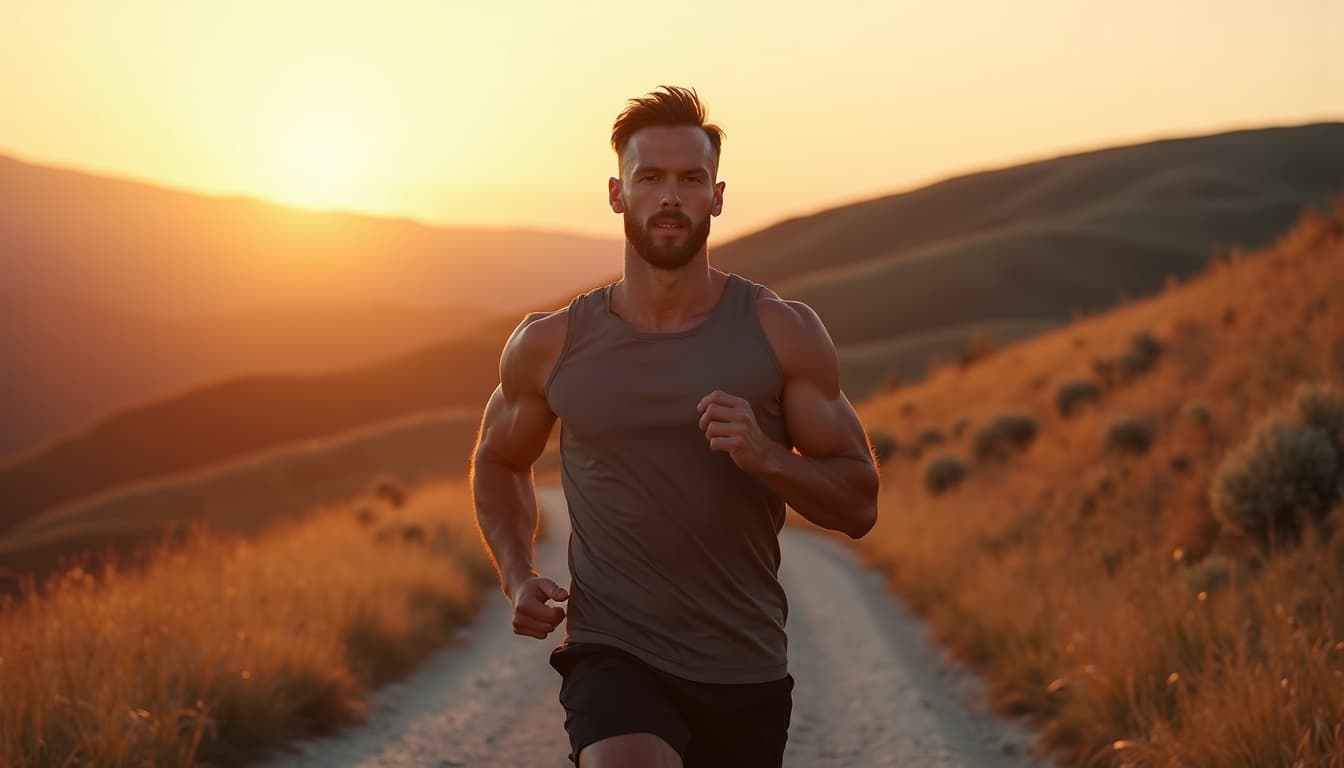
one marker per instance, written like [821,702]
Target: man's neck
[661,300]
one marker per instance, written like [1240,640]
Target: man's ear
[716,207]
[615,196]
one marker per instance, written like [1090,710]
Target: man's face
[667,193]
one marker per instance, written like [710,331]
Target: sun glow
[320,162]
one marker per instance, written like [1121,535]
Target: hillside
[1031,245]
[1102,564]
[137,357]
[246,495]
[899,281]
[151,291]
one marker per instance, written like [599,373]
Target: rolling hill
[149,291]
[899,280]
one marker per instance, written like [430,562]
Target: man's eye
[648,177]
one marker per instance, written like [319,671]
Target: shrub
[1071,395]
[884,445]
[1282,474]
[1199,412]
[1007,432]
[1130,434]
[388,490]
[1143,352]
[931,436]
[944,473]
[1321,406]
[1210,575]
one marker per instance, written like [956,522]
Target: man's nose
[671,196]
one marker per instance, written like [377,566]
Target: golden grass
[1070,575]
[225,648]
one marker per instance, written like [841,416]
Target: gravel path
[871,690]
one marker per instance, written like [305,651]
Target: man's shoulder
[539,332]
[786,319]
[795,332]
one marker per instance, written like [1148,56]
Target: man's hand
[730,426]
[531,615]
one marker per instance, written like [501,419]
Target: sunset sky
[499,114]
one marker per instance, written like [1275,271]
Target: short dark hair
[672,105]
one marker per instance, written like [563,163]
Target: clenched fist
[730,426]
[532,616]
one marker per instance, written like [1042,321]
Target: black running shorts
[607,692]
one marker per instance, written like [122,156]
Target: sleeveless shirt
[674,550]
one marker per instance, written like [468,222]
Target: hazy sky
[500,113]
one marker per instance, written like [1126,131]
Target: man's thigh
[613,704]
[740,726]
[642,749]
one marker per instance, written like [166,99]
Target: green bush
[1071,395]
[1284,474]
[944,473]
[1129,434]
[1006,433]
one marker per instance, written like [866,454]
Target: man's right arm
[513,434]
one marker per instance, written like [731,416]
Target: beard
[667,256]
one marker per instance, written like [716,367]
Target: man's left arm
[831,480]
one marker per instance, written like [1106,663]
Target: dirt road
[870,689]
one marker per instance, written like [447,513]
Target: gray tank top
[674,550]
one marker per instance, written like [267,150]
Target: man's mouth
[670,226]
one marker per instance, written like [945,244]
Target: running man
[694,405]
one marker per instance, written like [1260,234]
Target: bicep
[518,420]
[514,430]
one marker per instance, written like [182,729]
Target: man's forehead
[669,146]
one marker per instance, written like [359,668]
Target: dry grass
[1071,574]
[226,648]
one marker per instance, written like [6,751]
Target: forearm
[506,511]
[838,493]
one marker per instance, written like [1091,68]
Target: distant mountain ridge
[150,250]
[148,291]
[900,281]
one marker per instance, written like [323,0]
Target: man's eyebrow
[643,169]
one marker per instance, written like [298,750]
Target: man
[681,392]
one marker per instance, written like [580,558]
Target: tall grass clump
[222,649]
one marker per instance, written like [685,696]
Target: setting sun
[319,162]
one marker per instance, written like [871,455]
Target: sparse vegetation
[1130,434]
[1075,393]
[390,491]
[930,437]
[1102,597]
[944,473]
[224,649]
[884,445]
[1142,354]
[1008,432]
